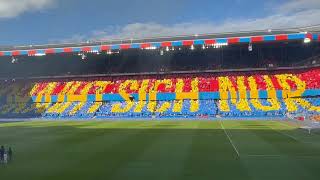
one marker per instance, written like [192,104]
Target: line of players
[5,155]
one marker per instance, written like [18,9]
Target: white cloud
[13,8]
[294,13]
[143,30]
[293,6]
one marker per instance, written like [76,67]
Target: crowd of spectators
[207,109]
[18,93]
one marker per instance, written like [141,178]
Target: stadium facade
[261,75]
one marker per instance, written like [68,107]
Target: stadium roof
[312,32]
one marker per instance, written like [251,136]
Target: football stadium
[243,105]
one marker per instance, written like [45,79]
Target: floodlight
[14,60]
[83,57]
[250,47]
[40,54]
[307,40]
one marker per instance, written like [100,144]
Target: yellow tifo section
[63,107]
[64,91]
[42,107]
[74,87]
[227,87]
[83,93]
[239,98]
[193,95]
[271,92]
[100,86]
[163,108]
[139,106]
[69,90]
[152,104]
[59,107]
[118,108]
[46,92]
[292,97]
[94,107]
[178,104]
[142,96]
[82,99]
[76,108]
[54,108]
[34,89]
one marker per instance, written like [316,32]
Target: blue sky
[50,21]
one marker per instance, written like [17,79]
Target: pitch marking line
[230,140]
[263,155]
[284,124]
[280,156]
[293,137]
[285,134]
[288,135]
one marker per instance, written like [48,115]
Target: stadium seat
[228,95]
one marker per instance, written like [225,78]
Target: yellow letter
[142,96]
[117,108]
[226,86]
[254,95]
[193,95]
[292,98]
[100,86]
[152,106]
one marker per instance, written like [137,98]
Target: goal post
[305,121]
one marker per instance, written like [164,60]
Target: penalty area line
[283,123]
[285,134]
[297,138]
[280,156]
[265,155]
[230,140]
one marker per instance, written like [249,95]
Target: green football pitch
[160,150]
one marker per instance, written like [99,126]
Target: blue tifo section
[207,109]
[172,96]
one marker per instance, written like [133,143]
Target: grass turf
[157,150]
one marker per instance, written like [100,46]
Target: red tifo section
[206,83]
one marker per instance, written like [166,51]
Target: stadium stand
[261,94]
[246,75]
